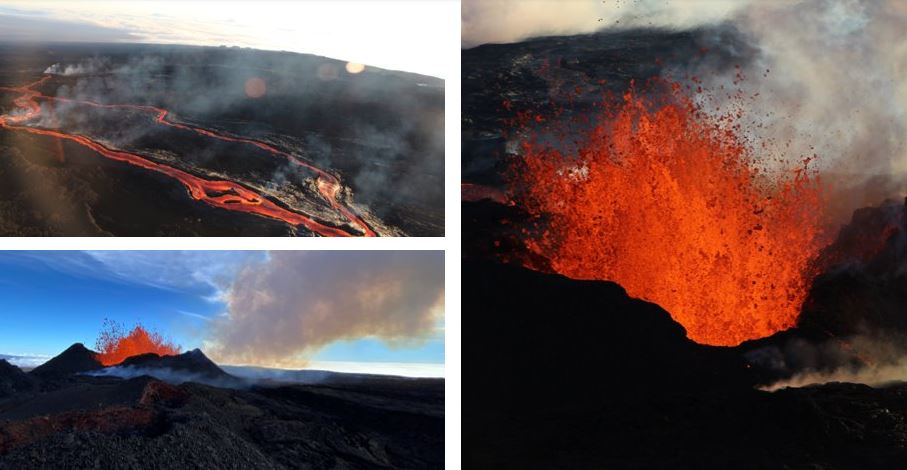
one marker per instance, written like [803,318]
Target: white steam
[282,311]
[872,359]
[93,65]
[168,375]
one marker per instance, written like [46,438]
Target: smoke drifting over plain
[93,65]
[381,132]
[872,359]
[287,308]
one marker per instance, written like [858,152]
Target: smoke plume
[828,81]
[87,66]
[287,308]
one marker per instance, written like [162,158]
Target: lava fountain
[114,345]
[672,204]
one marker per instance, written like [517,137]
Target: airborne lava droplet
[114,345]
[663,199]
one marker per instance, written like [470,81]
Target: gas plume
[282,311]
[829,80]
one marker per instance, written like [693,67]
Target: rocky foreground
[566,373]
[58,416]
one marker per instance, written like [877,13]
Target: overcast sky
[398,35]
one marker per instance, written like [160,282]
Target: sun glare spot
[354,68]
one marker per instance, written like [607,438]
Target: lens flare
[354,68]
[255,87]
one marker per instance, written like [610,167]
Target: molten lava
[671,204]
[114,345]
[227,194]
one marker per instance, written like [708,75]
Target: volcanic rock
[75,359]
[575,374]
[105,422]
[531,320]
[192,362]
[863,285]
[13,380]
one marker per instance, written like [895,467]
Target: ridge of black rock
[13,379]
[541,331]
[75,359]
[550,356]
[193,362]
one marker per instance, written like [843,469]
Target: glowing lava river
[223,194]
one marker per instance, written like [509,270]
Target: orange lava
[223,194]
[672,205]
[114,345]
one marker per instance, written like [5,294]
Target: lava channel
[218,193]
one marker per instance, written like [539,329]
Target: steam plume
[830,81]
[297,302]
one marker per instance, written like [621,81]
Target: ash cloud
[828,80]
[283,310]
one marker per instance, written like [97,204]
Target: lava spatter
[115,345]
[671,204]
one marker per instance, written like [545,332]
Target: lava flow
[115,345]
[223,194]
[671,204]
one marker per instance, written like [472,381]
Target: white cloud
[282,311]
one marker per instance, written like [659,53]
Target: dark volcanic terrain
[66,415]
[564,373]
[355,153]
[576,374]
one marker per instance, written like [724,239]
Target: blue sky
[51,299]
